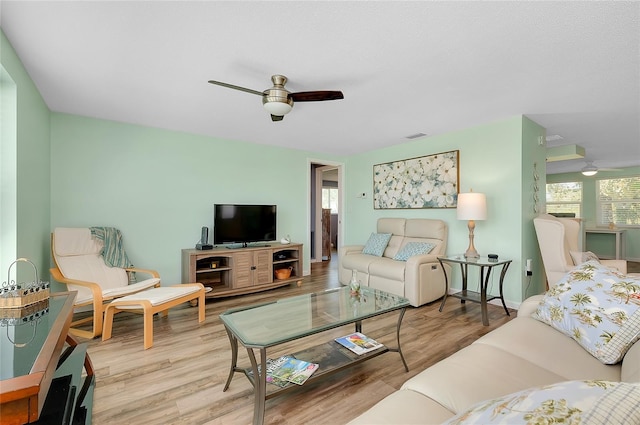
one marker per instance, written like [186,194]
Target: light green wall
[27,171]
[601,245]
[490,162]
[533,193]
[158,187]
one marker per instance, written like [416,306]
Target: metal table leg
[234,357]
[399,350]
[260,387]
[484,283]
[446,286]
[502,273]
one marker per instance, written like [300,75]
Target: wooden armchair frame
[98,302]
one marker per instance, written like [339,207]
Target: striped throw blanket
[113,251]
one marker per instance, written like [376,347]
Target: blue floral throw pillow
[571,402]
[376,244]
[413,248]
[596,306]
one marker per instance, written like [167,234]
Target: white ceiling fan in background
[591,170]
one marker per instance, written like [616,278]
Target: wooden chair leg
[108,323]
[201,307]
[98,315]
[148,328]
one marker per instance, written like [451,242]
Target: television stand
[236,270]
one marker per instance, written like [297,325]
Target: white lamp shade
[277,108]
[472,206]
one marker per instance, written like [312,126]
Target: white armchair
[81,267]
[557,238]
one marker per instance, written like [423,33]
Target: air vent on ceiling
[415,136]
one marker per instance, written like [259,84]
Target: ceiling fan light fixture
[278,101]
[589,170]
[278,107]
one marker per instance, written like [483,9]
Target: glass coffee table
[261,326]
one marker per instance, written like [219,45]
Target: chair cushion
[70,241]
[91,268]
[360,262]
[129,289]
[157,296]
[78,256]
[389,269]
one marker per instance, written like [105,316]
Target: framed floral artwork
[425,182]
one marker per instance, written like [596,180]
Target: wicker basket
[283,273]
[13,295]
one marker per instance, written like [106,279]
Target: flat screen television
[233,223]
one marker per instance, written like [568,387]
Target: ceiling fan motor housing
[276,100]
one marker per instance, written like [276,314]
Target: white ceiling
[404,68]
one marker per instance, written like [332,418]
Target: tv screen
[244,224]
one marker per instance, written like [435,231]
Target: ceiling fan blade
[231,86]
[277,117]
[316,96]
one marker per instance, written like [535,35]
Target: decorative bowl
[283,273]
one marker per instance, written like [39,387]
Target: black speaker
[204,239]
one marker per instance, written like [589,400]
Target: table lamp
[472,206]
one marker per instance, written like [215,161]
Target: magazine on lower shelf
[294,370]
[358,343]
[273,364]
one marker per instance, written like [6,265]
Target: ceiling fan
[591,170]
[278,101]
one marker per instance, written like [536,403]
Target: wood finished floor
[179,380]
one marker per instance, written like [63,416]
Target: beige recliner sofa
[420,279]
[521,354]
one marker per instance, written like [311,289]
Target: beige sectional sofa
[420,279]
[521,354]
[593,304]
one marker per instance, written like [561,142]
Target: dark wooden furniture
[40,361]
[326,234]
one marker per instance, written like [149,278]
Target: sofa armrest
[424,279]
[630,371]
[351,249]
[620,265]
[528,306]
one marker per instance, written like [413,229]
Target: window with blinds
[564,198]
[618,202]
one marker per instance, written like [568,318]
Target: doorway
[325,219]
